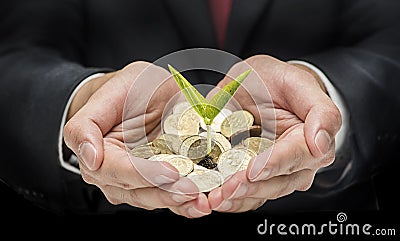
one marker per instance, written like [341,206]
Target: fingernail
[194,212]
[240,191]
[256,169]
[322,141]
[263,175]
[162,179]
[224,206]
[88,154]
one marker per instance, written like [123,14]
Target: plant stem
[208,139]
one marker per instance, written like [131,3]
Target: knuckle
[279,192]
[137,65]
[113,200]
[328,160]
[305,185]
[87,178]
[69,136]
[305,181]
[258,204]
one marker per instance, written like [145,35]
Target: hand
[306,124]
[117,111]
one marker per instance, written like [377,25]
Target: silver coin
[235,122]
[219,139]
[183,164]
[232,161]
[206,180]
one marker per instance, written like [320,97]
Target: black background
[24,219]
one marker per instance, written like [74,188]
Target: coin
[180,107]
[145,151]
[216,123]
[206,180]
[171,124]
[195,147]
[257,144]
[237,121]
[189,123]
[197,167]
[219,139]
[232,161]
[196,151]
[163,145]
[173,141]
[239,136]
[186,123]
[183,164]
[160,157]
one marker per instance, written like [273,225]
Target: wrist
[85,92]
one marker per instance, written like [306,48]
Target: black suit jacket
[48,47]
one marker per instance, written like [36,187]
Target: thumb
[322,118]
[84,131]
[87,144]
[320,127]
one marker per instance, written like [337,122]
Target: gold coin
[216,124]
[239,136]
[189,123]
[232,161]
[163,145]
[173,141]
[187,145]
[206,180]
[257,144]
[219,139]
[186,123]
[183,164]
[237,121]
[195,147]
[145,151]
[160,157]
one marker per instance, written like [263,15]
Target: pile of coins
[183,144]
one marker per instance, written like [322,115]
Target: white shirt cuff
[71,164]
[336,98]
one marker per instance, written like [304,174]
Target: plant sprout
[208,110]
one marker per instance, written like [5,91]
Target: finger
[289,154]
[281,186]
[276,187]
[151,198]
[124,170]
[311,104]
[298,91]
[233,205]
[84,132]
[238,188]
[193,209]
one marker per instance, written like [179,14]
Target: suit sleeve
[365,69]
[41,62]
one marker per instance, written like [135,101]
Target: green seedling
[208,110]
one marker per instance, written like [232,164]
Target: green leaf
[220,99]
[196,100]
